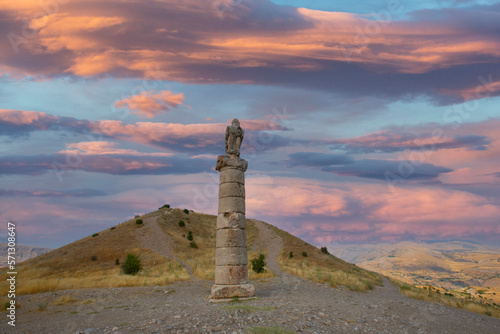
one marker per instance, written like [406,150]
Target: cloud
[50,193]
[355,212]
[314,159]
[380,169]
[389,141]
[62,164]
[437,53]
[197,138]
[105,148]
[150,104]
[16,123]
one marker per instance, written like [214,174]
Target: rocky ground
[286,301]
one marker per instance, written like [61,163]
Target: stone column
[231,274]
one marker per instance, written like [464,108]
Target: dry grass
[203,227]
[320,267]
[433,296]
[72,267]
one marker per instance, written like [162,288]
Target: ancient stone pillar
[231,274]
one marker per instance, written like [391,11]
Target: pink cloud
[105,148]
[355,211]
[24,117]
[150,104]
[86,39]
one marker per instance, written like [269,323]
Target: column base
[231,291]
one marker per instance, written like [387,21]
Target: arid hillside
[462,268]
[23,253]
[161,239]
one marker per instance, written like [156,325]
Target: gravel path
[272,242]
[153,237]
[285,301]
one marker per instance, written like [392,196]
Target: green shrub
[117,262]
[166,206]
[95,235]
[258,263]
[186,211]
[93,258]
[181,223]
[138,221]
[324,250]
[304,254]
[136,216]
[132,265]
[290,256]
[193,244]
[190,236]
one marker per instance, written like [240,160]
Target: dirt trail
[270,241]
[153,237]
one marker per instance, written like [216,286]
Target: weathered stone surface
[231,274]
[231,161]
[228,256]
[232,189]
[231,220]
[232,204]
[232,175]
[231,259]
[230,291]
[231,238]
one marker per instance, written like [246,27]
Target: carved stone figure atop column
[234,137]
[231,274]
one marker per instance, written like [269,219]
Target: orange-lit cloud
[86,38]
[151,104]
[105,148]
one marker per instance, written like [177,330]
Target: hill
[23,253]
[168,256]
[458,267]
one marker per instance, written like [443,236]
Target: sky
[366,122]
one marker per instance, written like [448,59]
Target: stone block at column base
[230,291]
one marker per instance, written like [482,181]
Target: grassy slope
[72,267]
[320,267]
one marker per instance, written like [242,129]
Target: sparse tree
[324,250]
[132,265]
[258,263]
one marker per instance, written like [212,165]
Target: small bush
[290,256]
[93,258]
[166,206]
[138,221]
[186,211]
[258,263]
[324,250]
[193,244]
[132,265]
[95,235]
[136,216]
[190,236]
[117,262]
[113,228]
[304,254]
[181,223]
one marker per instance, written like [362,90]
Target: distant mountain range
[454,265]
[23,253]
